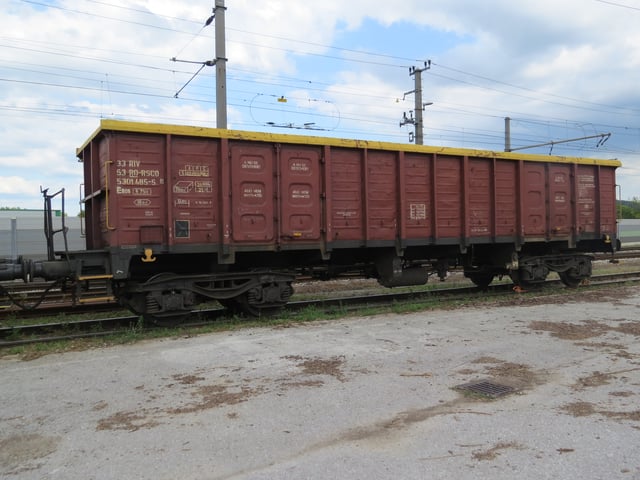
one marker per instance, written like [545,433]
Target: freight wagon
[176,215]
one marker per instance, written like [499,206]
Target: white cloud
[64,68]
[17,185]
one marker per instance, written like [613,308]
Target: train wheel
[135,303]
[481,280]
[229,304]
[243,305]
[517,279]
[570,279]
[579,271]
[240,306]
[265,300]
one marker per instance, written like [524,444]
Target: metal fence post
[14,238]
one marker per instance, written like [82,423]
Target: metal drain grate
[486,388]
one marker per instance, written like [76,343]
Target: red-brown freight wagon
[188,213]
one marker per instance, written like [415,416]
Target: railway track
[18,335]
[22,300]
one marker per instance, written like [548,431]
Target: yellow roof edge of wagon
[194,131]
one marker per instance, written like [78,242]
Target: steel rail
[61,331]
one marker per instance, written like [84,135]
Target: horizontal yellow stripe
[191,131]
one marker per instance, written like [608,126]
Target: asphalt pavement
[394,396]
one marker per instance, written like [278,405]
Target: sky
[560,69]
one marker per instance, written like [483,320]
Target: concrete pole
[507,134]
[221,66]
[419,108]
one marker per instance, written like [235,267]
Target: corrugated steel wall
[173,190]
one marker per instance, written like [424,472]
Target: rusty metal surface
[486,388]
[158,189]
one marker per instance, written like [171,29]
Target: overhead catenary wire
[289,40]
[240,79]
[396,61]
[617,4]
[526,89]
[289,50]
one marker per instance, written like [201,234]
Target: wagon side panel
[132,169]
[506,200]
[608,221]
[252,192]
[193,190]
[448,191]
[382,196]
[561,221]
[533,195]
[300,193]
[346,215]
[417,195]
[479,208]
[587,201]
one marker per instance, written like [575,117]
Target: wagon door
[300,193]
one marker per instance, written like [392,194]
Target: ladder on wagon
[89,287]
